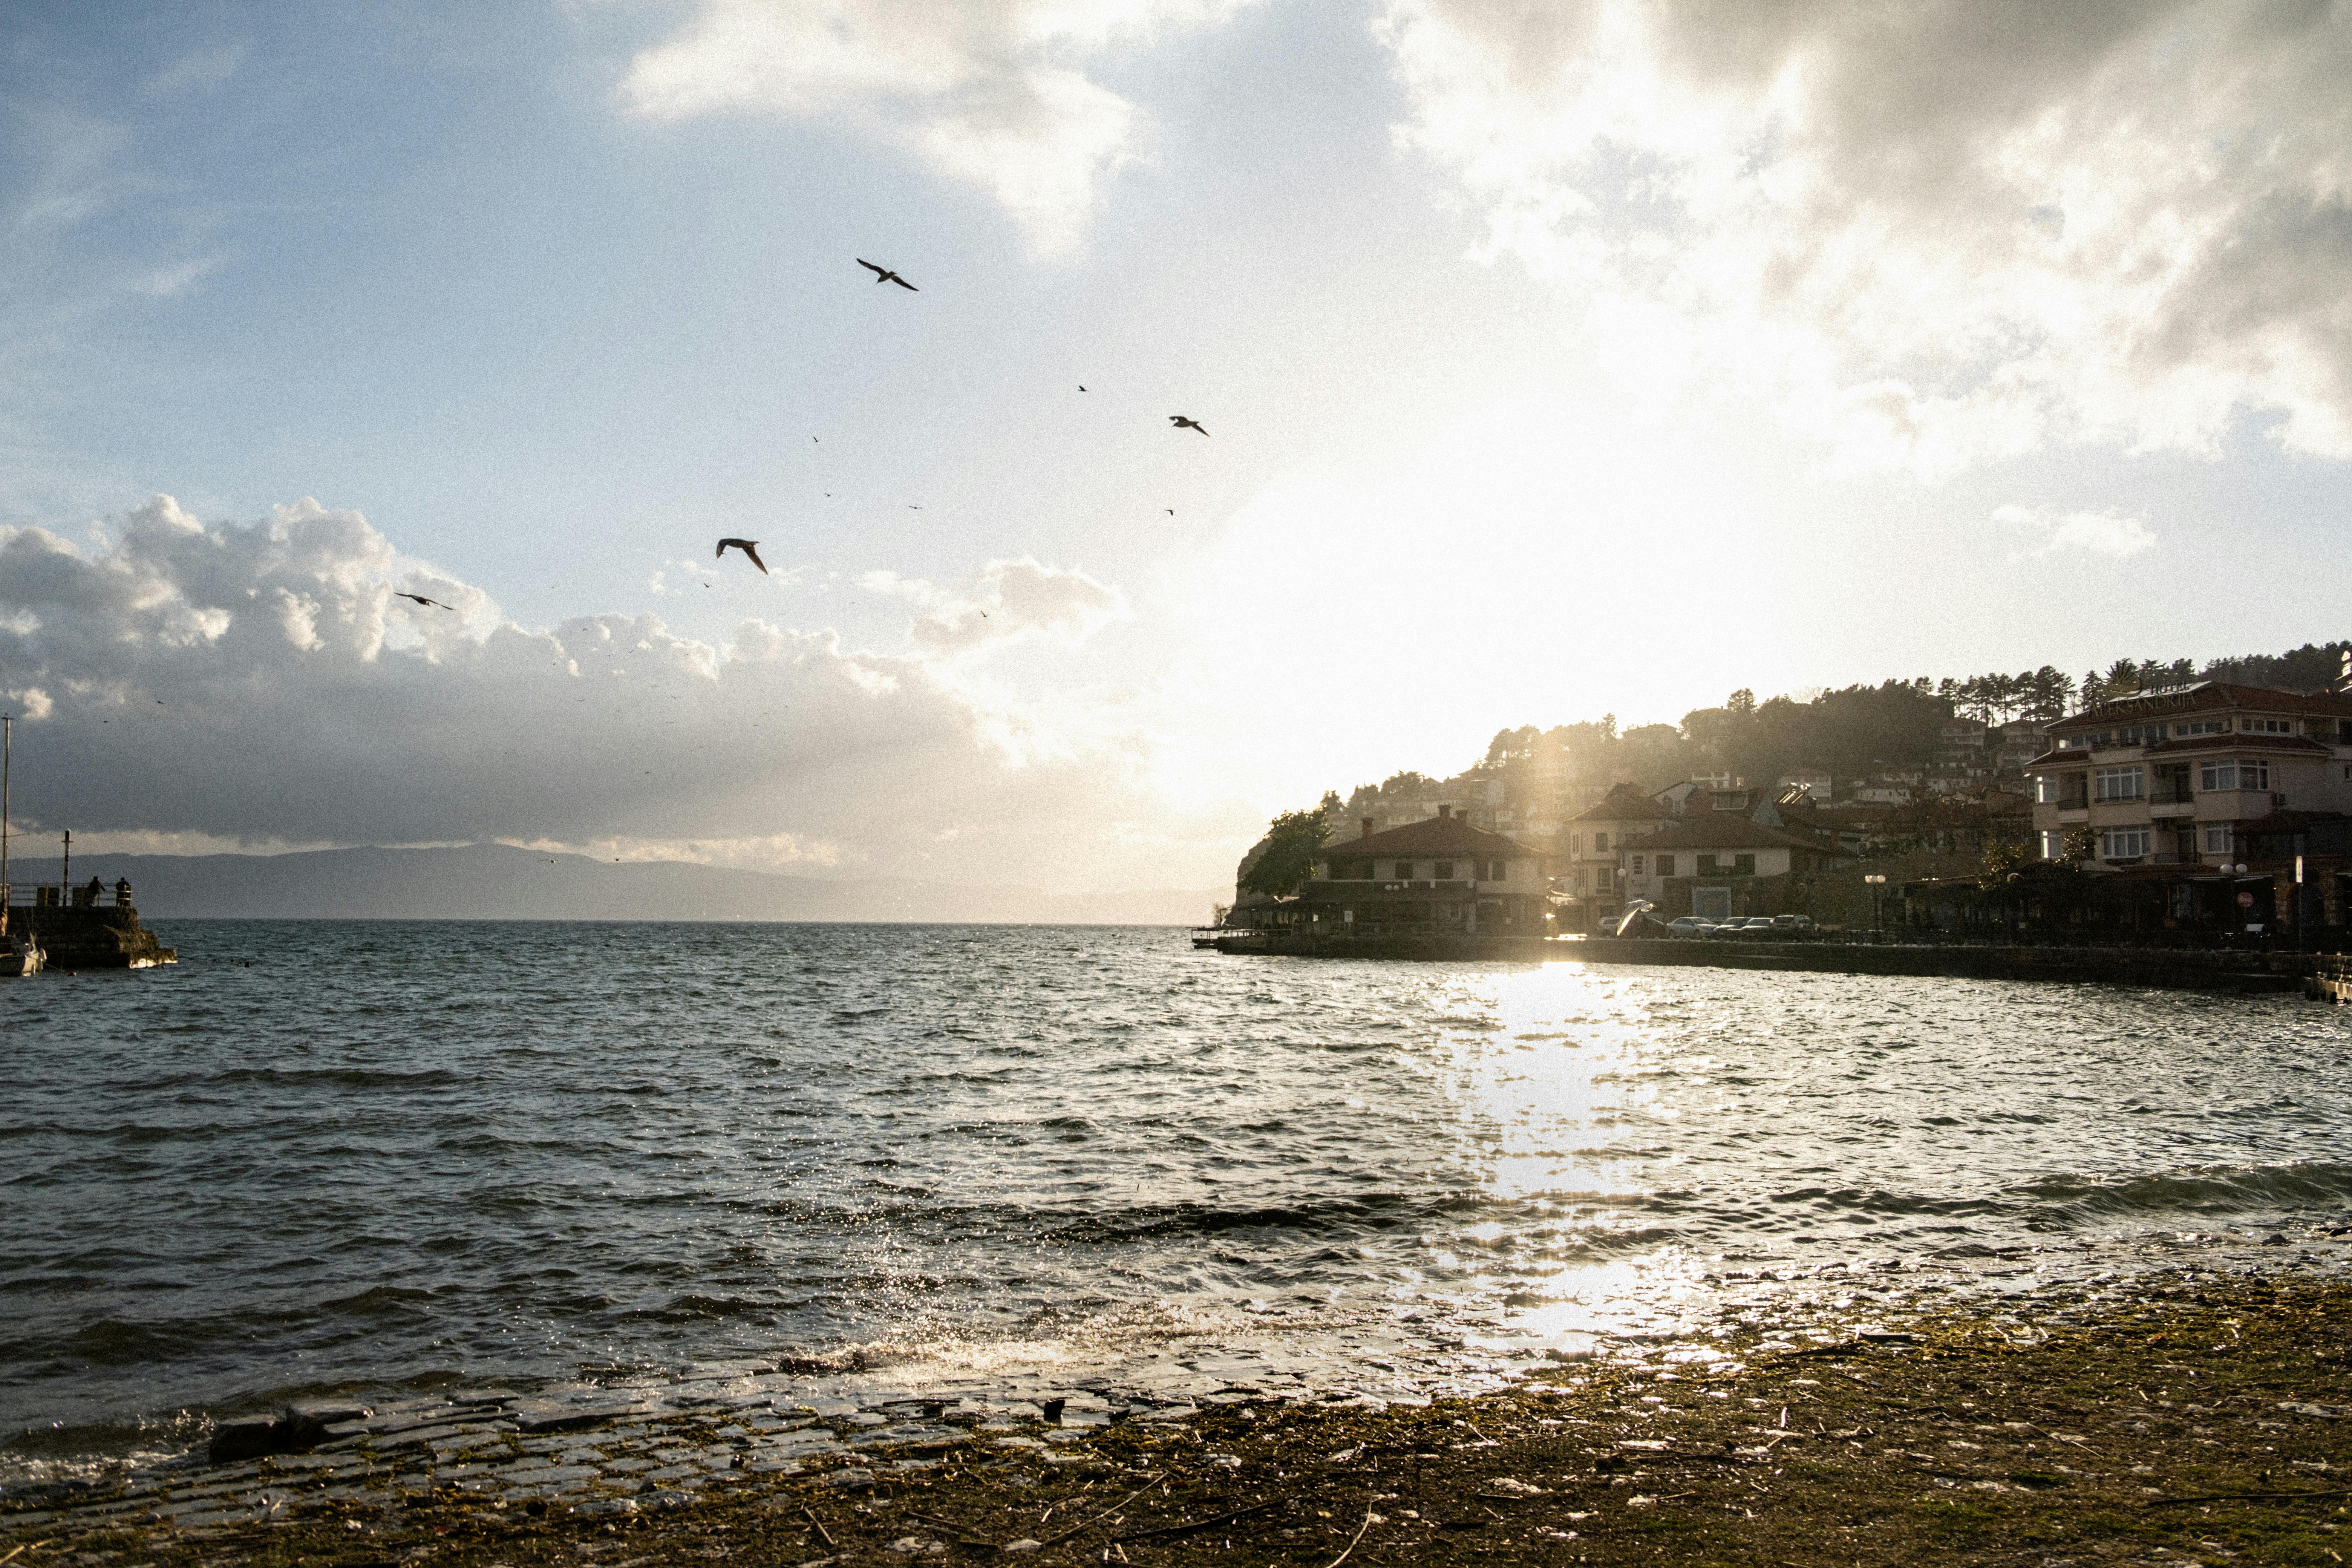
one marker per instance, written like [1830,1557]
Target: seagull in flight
[1182,422]
[884,275]
[749,547]
[429,603]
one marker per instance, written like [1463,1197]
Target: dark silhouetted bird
[429,603]
[1169,509]
[884,275]
[1183,424]
[749,547]
[1082,388]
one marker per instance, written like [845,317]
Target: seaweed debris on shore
[2159,1419]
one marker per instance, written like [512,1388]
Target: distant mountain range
[497,881]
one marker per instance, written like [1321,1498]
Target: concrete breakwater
[2191,969]
[90,936]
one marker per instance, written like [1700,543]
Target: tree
[1286,857]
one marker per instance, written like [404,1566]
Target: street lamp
[1877,883]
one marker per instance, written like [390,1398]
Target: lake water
[370,1156]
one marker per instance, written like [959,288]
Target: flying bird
[1183,424]
[1169,509]
[429,603]
[1082,387]
[884,275]
[749,547]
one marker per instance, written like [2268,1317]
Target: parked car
[1801,925]
[1734,927]
[1689,928]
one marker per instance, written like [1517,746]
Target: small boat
[19,955]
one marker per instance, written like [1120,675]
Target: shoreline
[2195,1412]
[2237,971]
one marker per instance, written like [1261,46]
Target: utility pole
[1877,884]
[65,887]
[8,744]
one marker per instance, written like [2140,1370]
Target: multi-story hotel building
[2175,777]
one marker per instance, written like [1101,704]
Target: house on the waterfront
[1716,864]
[1437,877]
[2207,806]
[2173,777]
[1590,874]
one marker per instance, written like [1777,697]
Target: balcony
[2078,801]
[2170,792]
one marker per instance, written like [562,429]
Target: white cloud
[260,683]
[1936,231]
[1005,601]
[991,93]
[2090,533]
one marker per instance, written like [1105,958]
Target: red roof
[2186,745]
[1727,830]
[1437,836]
[1625,802]
[2206,695]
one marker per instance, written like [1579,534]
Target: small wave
[2212,1190]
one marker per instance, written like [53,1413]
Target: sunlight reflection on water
[388,1152]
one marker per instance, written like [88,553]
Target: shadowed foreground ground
[2210,1421]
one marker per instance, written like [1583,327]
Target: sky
[1561,359]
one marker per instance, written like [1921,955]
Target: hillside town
[2174,803]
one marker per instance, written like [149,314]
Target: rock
[328,1413]
[538,1415]
[917,1546]
[1052,1411]
[1023,1544]
[604,1505]
[291,1433]
[241,1440]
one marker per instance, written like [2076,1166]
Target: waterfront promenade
[2248,970]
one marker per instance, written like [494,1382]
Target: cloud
[259,683]
[2091,532]
[1007,600]
[988,93]
[1936,232]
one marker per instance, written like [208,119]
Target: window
[2053,843]
[1576,843]
[2235,775]
[1404,871]
[2045,789]
[1444,871]
[1603,877]
[1743,865]
[1666,862]
[1498,870]
[2221,838]
[2267,726]
[1637,865]
[2202,727]
[1601,844]
[1707,865]
[2117,784]
[2123,843]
